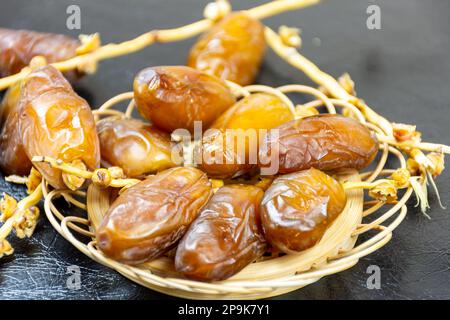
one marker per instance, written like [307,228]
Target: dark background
[402,70]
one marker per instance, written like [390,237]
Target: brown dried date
[18,47]
[174,97]
[13,159]
[257,111]
[298,208]
[137,147]
[222,157]
[325,142]
[149,218]
[225,237]
[251,114]
[56,122]
[233,49]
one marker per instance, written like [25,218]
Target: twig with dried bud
[32,181]
[21,217]
[217,10]
[326,81]
[384,190]
[424,168]
[290,36]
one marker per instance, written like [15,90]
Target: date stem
[112,50]
[333,87]
[410,144]
[23,218]
[111,177]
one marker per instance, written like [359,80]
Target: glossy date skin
[56,122]
[18,47]
[138,148]
[13,159]
[10,101]
[221,161]
[255,112]
[173,97]
[298,208]
[226,237]
[149,218]
[233,49]
[325,142]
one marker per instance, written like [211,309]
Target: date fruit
[257,111]
[298,208]
[149,218]
[137,147]
[326,142]
[233,49]
[174,97]
[56,122]
[222,156]
[13,159]
[18,47]
[226,236]
[246,118]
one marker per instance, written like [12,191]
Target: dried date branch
[324,80]
[403,137]
[16,179]
[21,216]
[384,190]
[415,144]
[425,168]
[110,177]
[32,181]
[88,61]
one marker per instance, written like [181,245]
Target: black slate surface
[403,70]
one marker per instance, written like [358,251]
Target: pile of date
[212,232]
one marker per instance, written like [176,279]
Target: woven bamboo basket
[335,252]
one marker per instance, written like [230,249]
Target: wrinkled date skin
[148,219]
[137,147]
[226,237]
[298,208]
[18,47]
[13,159]
[232,50]
[255,112]
[56,122]
[326,142]
[174,97]
[221,161]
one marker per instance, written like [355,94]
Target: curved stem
[364,184]
[169,35]
[425,146]
[293,57]
[86,174]
[23,204]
